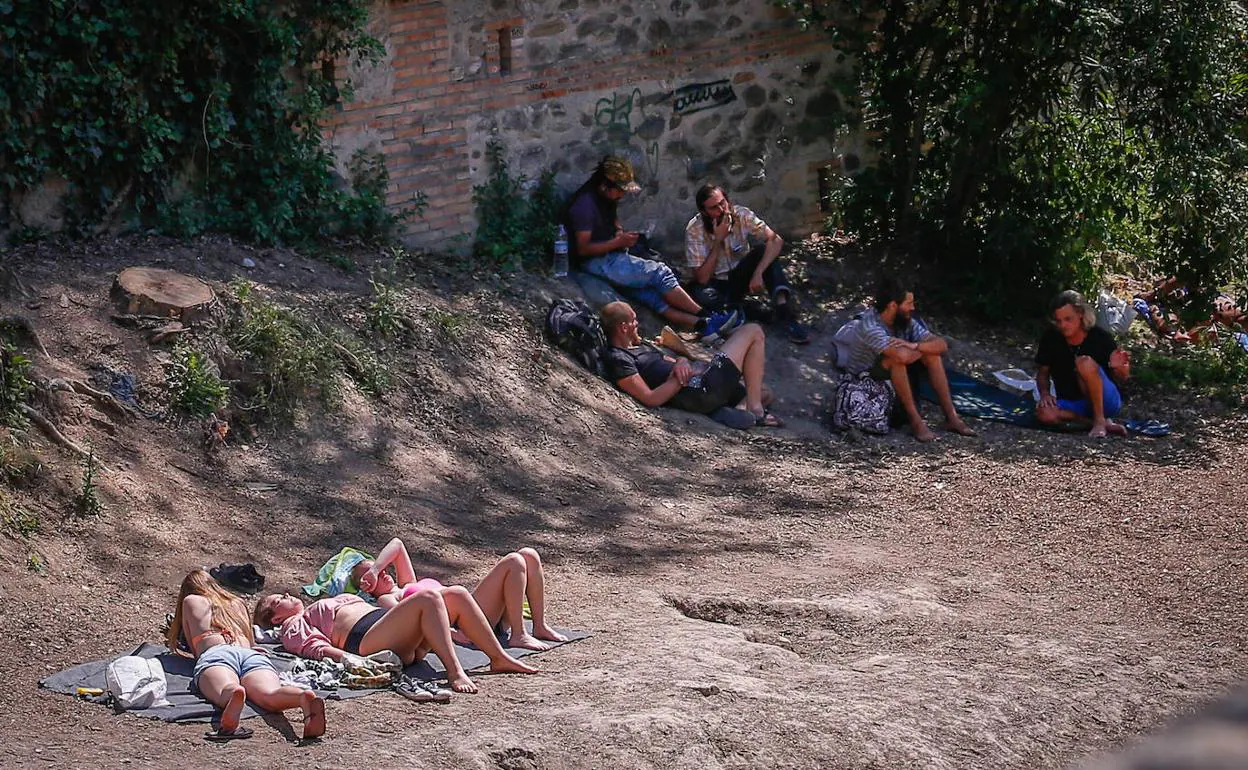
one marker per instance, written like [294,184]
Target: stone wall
[725,90]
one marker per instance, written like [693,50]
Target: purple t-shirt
[590,213]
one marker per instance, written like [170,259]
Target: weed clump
[193,383]
[87,502]
[15,384]
[517,229]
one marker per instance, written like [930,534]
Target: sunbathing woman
[500,594]
[210,625]
[345,623]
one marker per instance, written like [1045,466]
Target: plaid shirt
[698,241]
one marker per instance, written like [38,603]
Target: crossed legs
[1093,388]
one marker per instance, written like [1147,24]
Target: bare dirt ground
[762,599]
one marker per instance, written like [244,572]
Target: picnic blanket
[975,398]
[186,706]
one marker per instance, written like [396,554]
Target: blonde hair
[614,314]
[229,614]
[1073,298]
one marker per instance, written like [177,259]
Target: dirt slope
[759,599]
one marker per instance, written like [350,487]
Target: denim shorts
[644,279]
[240,660]
[1111,397]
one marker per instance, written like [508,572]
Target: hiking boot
[721,324]
[797,332]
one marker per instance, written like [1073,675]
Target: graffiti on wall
[626,117]
[696,97]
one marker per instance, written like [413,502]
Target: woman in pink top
[330,628]
[500,595]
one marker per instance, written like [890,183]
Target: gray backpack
[862,403]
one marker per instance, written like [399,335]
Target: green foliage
[35,563]
[17,521]
[1018,141]
[15,384]
[516,229]
[384,315]
[193,383]
[191,116]
[291,357]
[1219,370]
[87,502]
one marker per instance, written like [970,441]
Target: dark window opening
[504,51]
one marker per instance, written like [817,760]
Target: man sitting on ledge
[646,373]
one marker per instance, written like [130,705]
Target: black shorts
[360,628]
[720,385]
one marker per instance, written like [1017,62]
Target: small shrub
[17,521]
[516,230]
[1218,370]
[290,359]
[193,383]
[35,563]
[384,315]
[15,384]
[87,502]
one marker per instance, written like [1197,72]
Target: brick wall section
[432,122]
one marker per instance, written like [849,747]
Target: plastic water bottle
[561,253]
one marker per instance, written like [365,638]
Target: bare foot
[922,433]
[313,715]
[463,684]
[232,714]
[509,665]
[959,427]
[524,641]
[1099,429]
[548,633]
[1115,428]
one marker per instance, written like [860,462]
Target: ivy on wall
[188,115]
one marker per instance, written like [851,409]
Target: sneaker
[798,333]
[421,691]
[720,324]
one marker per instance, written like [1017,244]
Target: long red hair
[229,614]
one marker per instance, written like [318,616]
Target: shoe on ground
[421,691]
[797,332]
[720,324]
[239,577]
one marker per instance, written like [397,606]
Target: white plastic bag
[136,683]
[1114,315]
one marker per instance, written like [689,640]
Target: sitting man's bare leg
[1090,383]
[940,383]
[897,364]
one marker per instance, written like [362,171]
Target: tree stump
[164,293]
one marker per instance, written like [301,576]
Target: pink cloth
[309,634]
[421,585]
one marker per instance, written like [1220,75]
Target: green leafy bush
[517,224]
[1013,145]
[15,384]
[193,383]
[290,357]
[1218,370]
[190,116]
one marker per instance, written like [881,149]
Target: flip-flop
[768,420]
[238,734]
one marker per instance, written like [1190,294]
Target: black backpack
[575,329]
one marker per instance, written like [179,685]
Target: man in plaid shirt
[721,266]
